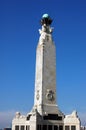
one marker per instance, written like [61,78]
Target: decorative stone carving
[18,114]
[37,96]
[50,95]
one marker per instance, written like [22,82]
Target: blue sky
[19,24]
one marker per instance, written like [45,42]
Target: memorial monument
[45,114]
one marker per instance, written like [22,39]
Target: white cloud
[6,118]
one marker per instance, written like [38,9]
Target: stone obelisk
[45,81]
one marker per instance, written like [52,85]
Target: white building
[45,114]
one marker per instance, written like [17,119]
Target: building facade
[45,114]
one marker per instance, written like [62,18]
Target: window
[27,127]
[39,127]
[22,127]
[49,127]
[44,127]
[55,127]
[73,127]
[16,127]
[60,127]
[67,127]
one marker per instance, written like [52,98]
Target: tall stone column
[45,81]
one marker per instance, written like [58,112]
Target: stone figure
[46,30]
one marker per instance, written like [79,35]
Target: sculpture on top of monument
[46,20]
[46,30]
